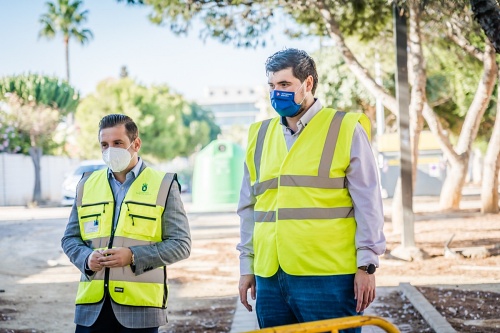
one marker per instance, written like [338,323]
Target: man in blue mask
[310,206]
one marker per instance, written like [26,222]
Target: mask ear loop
[132,155]
[303,99]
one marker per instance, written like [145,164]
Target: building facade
[235,106]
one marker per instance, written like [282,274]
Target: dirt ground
[38,284]
[464,287]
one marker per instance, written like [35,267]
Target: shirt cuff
[88,271]
[366,257]
[246,266]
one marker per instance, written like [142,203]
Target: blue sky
[124,36]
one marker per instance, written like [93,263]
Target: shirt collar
[135,170]
[306,117]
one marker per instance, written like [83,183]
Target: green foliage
[367,20]
[337,87]
[39,90]
[169,126]
[11,139]
[246,23]
[452,73]
[32,106]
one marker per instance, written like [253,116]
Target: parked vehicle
[71,181]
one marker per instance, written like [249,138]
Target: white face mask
[117,159]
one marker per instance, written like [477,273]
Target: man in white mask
[127,224]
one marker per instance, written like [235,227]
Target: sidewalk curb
[243,320]
[437,322]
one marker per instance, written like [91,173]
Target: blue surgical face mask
[284,102]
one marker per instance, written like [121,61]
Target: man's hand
[364,289]
[247,282]
[93,261]
[116,257]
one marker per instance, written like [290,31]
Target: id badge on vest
[91,226]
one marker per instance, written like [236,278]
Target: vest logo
[119,289]
[144,187]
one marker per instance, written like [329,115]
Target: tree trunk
[487,14]
[417,77]
[397,216]
[66,49]
[451,194]
[473,117]
[489,188]
[36,155]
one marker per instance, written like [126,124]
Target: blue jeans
[285,299]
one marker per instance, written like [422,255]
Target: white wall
[17,178]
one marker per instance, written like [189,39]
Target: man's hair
[301,63]
[112,120]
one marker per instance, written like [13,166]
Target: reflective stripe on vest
[139,223]
[303,193]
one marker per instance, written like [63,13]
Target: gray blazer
[176,245]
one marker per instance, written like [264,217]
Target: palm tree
[63,16]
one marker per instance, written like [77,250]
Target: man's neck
[292,121]
[122,175]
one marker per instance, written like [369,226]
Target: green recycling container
[217,175]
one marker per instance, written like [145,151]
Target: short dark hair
[112,120]
[301,63]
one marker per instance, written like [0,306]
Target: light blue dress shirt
[120,190]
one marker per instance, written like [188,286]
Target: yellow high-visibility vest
[139,223]
[304,218]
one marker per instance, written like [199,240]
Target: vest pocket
[141,219]
[141,224]
[91,224]
[92,216]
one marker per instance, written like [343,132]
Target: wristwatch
[370,269]
[132,263]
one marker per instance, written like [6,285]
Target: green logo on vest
[144,187]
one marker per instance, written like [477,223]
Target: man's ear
[137,144]
[309,83]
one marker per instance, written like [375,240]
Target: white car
[71,181]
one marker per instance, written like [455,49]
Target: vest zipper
[138,203]
[142,217]
[91,215]
[95,204]
[110,245]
